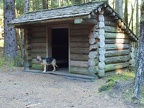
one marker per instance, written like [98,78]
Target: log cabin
[88,39]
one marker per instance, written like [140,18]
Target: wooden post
[26,49]
[97,47]
[93,60]
[48,44]
[101,50]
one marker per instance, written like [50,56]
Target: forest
[11,39]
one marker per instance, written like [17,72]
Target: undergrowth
[6,61]
[107,86]
[114,78]
[122,85]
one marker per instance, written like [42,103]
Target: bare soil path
[36,90]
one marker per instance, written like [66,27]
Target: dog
[47,61]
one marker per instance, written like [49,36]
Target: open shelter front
[88,39]
[60,46]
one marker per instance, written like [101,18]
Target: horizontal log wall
[79,48]
[38,41]
[36,45]
[117,46]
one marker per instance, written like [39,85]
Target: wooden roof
[71,12]
[59,13]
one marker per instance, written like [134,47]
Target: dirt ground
[20,89]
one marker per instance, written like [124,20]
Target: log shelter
[88,39]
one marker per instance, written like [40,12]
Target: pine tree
[27,6]
[119,7]
[45,4]
[10,44]
[139,77]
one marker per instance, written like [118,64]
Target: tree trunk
[126,12]
[131,18]
[140,64]
[10,44]
[119,7]
[26,9]
[27,6]
[62,2]
[78,1]
[137,18]
[139,77]
[45,4]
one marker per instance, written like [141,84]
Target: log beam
[117,46]
[112,29]
[79,63]
[111,67]
[117,59]
[79,57]
[113,53]
[101,43]
[117,41]
[79,70]
[116,36]
[79,50]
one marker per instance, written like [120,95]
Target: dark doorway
[60,46]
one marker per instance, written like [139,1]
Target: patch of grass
[6,61]
[2,61]
[112,80]
[123,77]
[18,61]
[37,66]
[142,99]
[107,86]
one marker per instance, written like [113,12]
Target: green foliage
[123,77]
[107,86]
[6,61]
[1,4]
[37,67]
[1,13]
[54,5]
[19,7]
[36,5]
[18,61]
[112,80]
[2,62]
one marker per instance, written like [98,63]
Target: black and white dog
[47,61]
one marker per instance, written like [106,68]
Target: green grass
[123,77]
[37,67]
[6,61]
[112,79]
[2,62]
[107,86]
